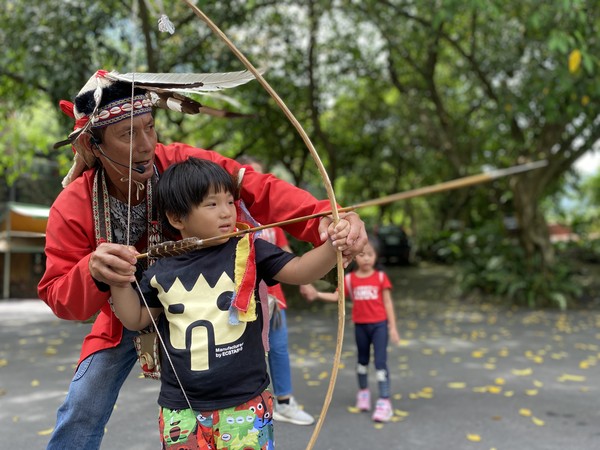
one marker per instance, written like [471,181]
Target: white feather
[185,82]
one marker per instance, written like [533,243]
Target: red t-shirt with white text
[367,296]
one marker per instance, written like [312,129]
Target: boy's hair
[185,184]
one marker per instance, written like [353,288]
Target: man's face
[141,136]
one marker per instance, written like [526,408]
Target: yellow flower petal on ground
[457,385]
[35,383]
[500,381]
[378,426]
[353,410]
[531,392]
[397,396]
[478,354]
[323,375]
[473,437]
[51,351]
[314,383]
[569,377]
[525,412]
[3,362]
[15,419]
[522,372]
[537,383]
[400,413]
[494,389]
[45,432]
[538,422]
[509,393]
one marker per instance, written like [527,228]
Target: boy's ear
[175,221]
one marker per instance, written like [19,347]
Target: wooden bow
[330,194]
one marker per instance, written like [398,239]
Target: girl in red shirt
[374,325]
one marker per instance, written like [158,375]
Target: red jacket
[67,286]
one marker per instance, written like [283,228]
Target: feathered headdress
[106,98]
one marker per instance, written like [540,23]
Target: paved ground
[465,377]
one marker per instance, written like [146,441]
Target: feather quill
[180,103]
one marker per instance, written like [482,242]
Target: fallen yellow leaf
[45,432]
[522,372]
[525,412]
[473,437]
[538,422]
[568,377]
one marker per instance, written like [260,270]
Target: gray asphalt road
[464,377]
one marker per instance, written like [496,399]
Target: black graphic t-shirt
[220,365]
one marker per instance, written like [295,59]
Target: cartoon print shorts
[247,426]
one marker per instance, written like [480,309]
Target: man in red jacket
[107,205]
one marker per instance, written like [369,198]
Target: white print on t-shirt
[229,350]
[365,293]
[186,331]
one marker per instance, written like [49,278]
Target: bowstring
[134,14]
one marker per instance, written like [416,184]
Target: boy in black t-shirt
[214,376]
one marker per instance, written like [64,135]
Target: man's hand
[113,264]
[354,241]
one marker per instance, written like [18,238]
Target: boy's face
[214,216]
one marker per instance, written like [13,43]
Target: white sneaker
[291,413]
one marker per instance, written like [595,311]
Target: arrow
[178,247]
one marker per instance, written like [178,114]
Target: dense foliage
[396,95]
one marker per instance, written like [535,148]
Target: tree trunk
[532,230]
